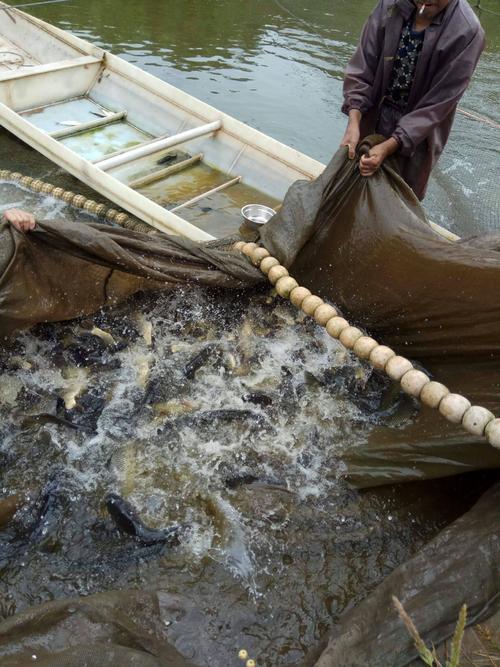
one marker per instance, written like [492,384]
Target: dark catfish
[127,520]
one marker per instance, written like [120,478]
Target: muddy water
[276,543]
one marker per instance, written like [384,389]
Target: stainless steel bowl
[256,215]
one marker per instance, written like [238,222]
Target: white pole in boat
[158,145]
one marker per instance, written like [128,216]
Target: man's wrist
[390,146]
[354,117]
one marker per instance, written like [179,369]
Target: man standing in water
[413,64]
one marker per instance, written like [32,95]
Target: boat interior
[173,150]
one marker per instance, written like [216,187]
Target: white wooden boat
[164,156]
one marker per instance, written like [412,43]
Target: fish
[86,349]
[163,388]
[174,408]
[143,369]
[180,347]
[104,335]
[258,398]
[45,418]
[145,329]
[124,466]
[248,479]
[77,382]
[68,123]
[86,413]
[209,353]
[239,480]
[10,388]
[166,159]
[208,417]
[50,516]
[127,520]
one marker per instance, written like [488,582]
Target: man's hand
[351,136]
[370,163]
[21,220]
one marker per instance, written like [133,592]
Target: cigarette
[421,10]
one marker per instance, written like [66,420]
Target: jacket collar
[407,7]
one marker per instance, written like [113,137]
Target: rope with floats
[101,211]
[454,407]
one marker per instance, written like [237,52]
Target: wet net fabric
[64,270]
[459,565]
[363,244]
[366,245]
[115,629]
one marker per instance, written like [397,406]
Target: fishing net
[116,629]
[460,564]
[458,191]
[366,246]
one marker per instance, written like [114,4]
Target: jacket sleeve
[441,99]
[361,69]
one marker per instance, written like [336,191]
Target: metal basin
[256,215]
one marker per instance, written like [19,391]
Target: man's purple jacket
[450,52]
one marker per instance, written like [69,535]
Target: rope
[308,24]
[12,53]
[78,201]
[485,9]
[34,4]
[454,407]
[478,117]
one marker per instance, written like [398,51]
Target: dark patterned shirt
[405,63]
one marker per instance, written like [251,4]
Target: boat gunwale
[222,116]
[66,37]
[49,68]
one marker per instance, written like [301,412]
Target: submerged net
[363,244]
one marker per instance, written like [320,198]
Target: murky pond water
[224,416]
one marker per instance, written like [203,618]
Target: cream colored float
[455,408]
